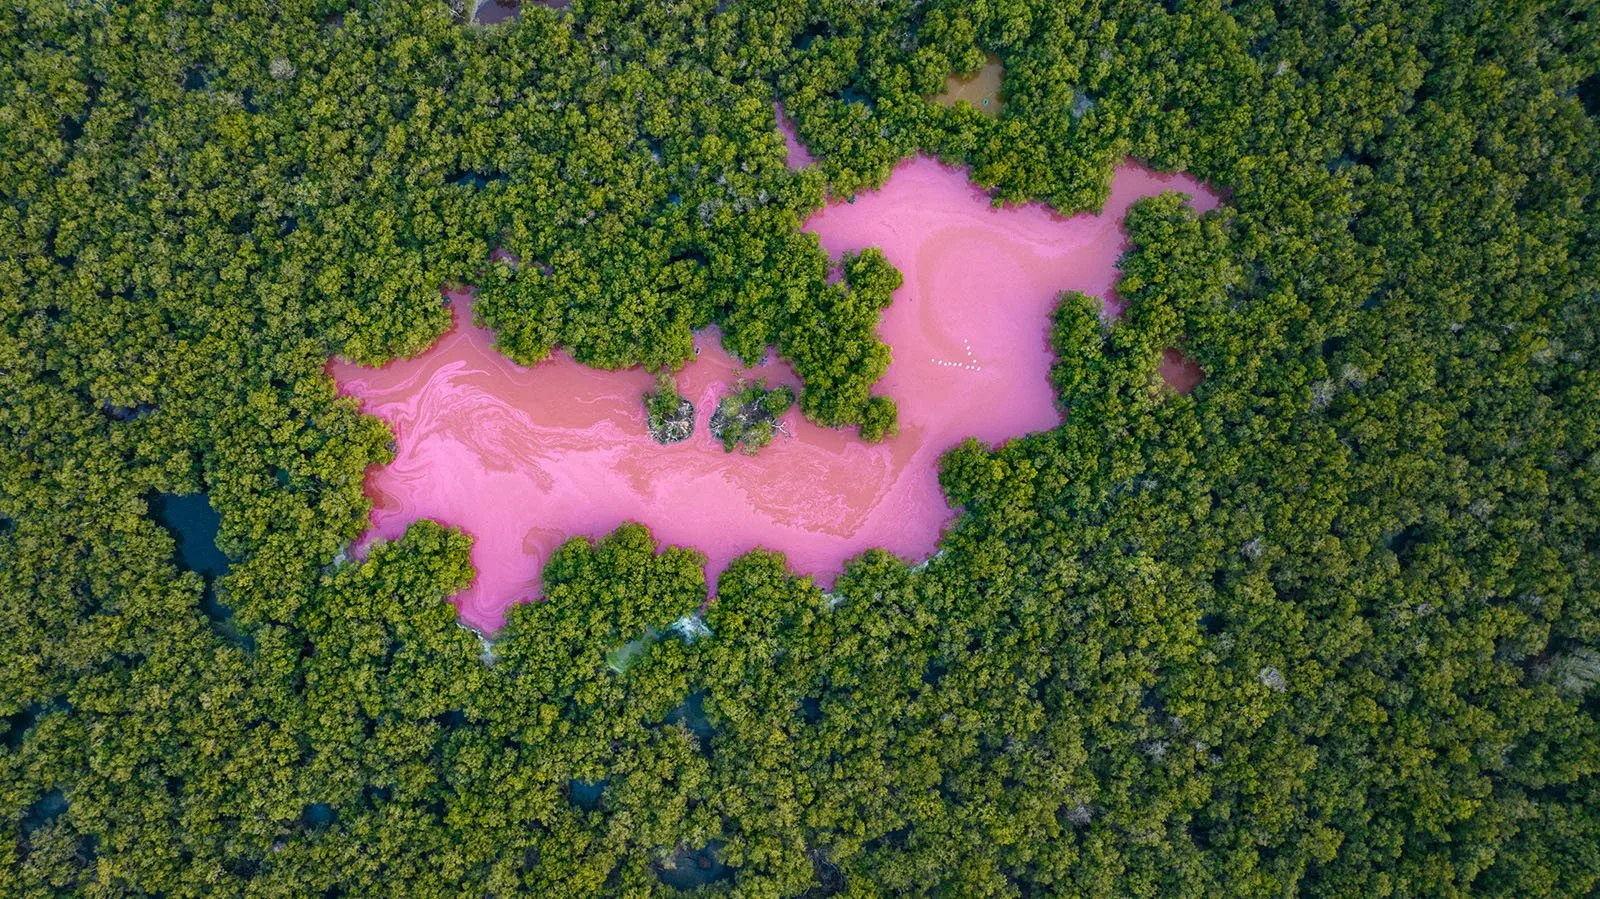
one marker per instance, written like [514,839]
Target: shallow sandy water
[981,89]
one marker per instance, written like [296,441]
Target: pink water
[1179,371]
[524,458]
[798,156]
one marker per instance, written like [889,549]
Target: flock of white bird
[970,365]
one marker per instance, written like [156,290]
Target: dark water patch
[692,716]
[244,866]
[193,78]
[894,839]
[689,869]
[88,852]
[934,673]
[242,222]
[7,525]
[855,95]
[1403,541]
[474,179]
[19,723]
[220,616]
[126,413]
[52,806]
[17,726]
[586,794]
[72,125]
[1347,161]
[810,710]
[376,795]
[805,38]
[494,12]
[451,719]
[318,815]
[1589,94]
[193,525]
[1211,624]
[693,256]
[1151,701]
[830,880]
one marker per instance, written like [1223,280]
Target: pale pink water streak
[798,156]
[524,458]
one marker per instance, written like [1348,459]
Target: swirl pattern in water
[524,458]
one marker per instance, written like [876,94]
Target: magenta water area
[522,458]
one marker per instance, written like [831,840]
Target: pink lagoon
[524,458]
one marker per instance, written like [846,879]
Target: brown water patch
[501,254]
[493,12]
[1179,371]
[981,89]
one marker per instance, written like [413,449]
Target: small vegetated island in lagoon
[750,415]
[669,416]
[1269,568]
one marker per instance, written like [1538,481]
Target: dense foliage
[748,417]
[1327,626]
